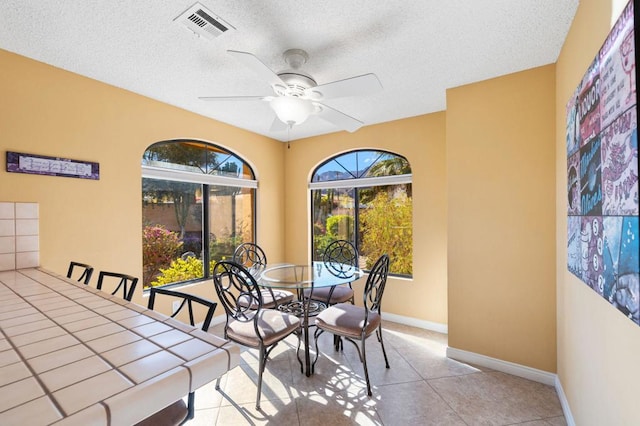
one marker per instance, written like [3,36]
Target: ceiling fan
[297,95]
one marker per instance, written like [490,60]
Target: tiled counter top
[72,355]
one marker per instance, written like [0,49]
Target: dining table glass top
[315,275]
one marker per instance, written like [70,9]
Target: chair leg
[190,408]
[337,342]
[379,335]
[364,363]
[261,365]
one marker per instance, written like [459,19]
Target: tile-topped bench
[72,355]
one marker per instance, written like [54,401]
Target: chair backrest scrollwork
[237,290]
[374,288]
[341,258]
[252,257]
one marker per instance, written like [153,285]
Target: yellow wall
[598,347]
[48,111]
[422,141]
[500,170]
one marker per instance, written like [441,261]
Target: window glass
[332,170]
[364,161]
[333,217]
[230,220]
[386,226]
[387,165]
[189,157]
[231,166]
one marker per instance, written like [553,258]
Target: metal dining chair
[127,283]
[260,328]
[356,323]
[254,260]
[179,413]
[85,271]
[339,257]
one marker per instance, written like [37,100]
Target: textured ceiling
[417,49]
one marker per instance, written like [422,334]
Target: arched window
[364,197]
[198,204]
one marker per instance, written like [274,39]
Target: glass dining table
[298,278]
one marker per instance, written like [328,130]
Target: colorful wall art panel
[602,172]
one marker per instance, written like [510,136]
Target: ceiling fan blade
[235,98]
[339,119]
[259,67]
[355,86]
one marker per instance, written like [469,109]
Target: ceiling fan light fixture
[291,110]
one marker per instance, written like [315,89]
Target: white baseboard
[568,417]
[504,366]
[414,322]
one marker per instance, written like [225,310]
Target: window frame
[206,181]
[355,183]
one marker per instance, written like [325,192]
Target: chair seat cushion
[271,298]
[347,320]
[272,325]
[341,294]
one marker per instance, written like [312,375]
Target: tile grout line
[444,400]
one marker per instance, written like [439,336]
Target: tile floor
[422,387]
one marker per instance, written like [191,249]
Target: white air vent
[203,22]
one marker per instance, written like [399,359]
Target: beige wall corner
[501,238]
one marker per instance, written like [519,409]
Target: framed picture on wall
[602,172]
[18,162]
